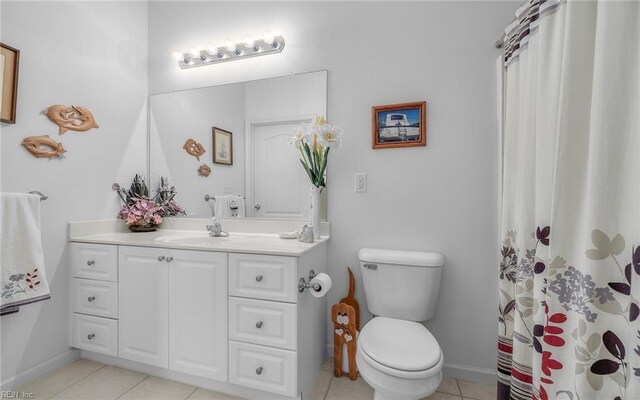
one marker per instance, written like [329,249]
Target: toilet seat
[400,348]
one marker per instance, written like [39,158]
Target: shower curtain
[569,298]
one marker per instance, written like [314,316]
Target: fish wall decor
[43,146]
[71,118]
[204,170]
[194,148]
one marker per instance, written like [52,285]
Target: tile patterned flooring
[88,380]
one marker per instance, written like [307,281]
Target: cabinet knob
[91,298]
[91,336]
[169,259]
[259,324]
[259,278]
[160,258]
[90,262]
[259,370]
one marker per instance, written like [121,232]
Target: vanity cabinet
[228,321]
[198,313]
[174,309]
[144,305]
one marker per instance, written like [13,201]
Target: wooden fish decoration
[71,118]
[43,146]
[204,170]
[194,148]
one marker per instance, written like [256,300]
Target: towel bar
[42,196]
[208,197]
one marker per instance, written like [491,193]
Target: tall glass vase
[314,218]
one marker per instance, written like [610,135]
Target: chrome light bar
[230,52]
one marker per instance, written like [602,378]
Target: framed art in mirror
[9,62]
[399,125]
[222,146]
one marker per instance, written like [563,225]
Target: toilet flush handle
[370,266]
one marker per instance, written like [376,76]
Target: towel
[22,277]
[236,203]
[229,206]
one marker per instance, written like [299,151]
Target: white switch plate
[360,183]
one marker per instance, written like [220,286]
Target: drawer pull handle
[160,258]
[91,336]
[90,262]
[259,278]
[169,259]
[259,370]
[259,324]
[91,298]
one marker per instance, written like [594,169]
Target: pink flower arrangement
[142,212]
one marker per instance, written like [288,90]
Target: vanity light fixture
[269,44]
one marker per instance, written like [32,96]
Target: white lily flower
[298,137]
[320,120]
[330,136]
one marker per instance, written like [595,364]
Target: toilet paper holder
[303,284]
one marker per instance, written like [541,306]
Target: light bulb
[250,43]
[231,46]
[214,51]
[268,37]
[178,56]
[194,53]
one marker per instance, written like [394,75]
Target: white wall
[442,197]
[86,54]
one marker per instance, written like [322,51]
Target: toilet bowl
[400,359]
[395,353]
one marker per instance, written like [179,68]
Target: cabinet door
[144,305]
[198,328]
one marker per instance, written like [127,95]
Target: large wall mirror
[253,121]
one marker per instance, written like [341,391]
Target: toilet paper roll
[324,281]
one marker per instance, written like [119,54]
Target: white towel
[229,206]
[22,277]
[236,203]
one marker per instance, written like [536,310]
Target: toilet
[395,353]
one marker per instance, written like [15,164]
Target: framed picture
[399,125]
[222,146]
[9,61]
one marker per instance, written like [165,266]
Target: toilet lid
[399,344]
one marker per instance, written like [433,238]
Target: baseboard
[470,373]
[459,371]
[43,368]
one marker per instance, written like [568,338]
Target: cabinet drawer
[263,368]
[263,322]
[95,297]
[95,334]
[263,277]
[94,261]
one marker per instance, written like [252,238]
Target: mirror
[243,129]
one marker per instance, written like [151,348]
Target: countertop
[256,243]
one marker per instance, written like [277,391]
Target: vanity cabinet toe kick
[235,319]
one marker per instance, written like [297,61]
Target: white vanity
[220,313]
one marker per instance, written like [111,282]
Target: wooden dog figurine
[344,332]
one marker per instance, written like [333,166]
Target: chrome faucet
[215,229]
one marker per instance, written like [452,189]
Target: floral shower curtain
[569,325]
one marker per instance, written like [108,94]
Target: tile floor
[88,380]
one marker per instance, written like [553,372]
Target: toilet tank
[401,284]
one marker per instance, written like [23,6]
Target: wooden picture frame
[222,146]
[399,125]
[9,64]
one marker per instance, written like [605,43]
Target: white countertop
[236,242]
